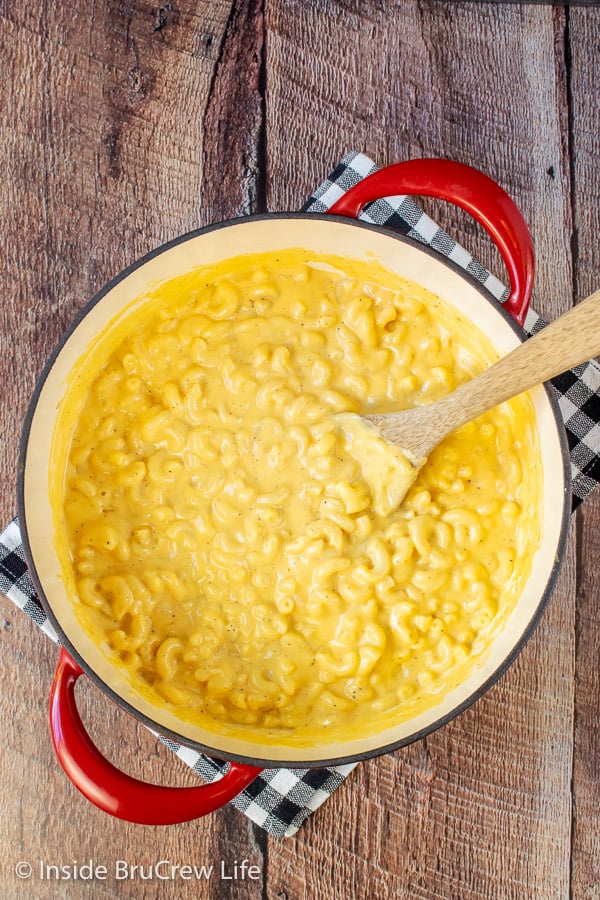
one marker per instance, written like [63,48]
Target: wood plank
[584,43]
[102,160]
[233,146]
[481,808]
[586,764]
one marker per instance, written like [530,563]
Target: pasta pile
[228,550]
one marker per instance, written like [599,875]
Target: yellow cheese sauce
[389,470]
[225,543]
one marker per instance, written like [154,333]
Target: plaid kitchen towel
[280,800]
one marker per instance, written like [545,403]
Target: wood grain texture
[585,875]
[584,32]
[125,123]
[233,145]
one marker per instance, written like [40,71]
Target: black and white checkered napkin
[280,800]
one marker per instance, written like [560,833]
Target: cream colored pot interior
[249,236]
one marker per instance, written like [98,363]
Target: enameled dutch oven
[337,232]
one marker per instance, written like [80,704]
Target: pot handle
[113,791]
[472,191]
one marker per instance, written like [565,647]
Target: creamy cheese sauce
[243,558]
[386,468]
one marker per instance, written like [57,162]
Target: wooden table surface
[123,124]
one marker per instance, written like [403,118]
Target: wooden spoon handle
[568,341]
[572,339]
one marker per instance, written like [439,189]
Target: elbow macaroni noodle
[227,547]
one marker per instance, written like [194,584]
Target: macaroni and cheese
[226,545]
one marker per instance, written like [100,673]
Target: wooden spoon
[570,340]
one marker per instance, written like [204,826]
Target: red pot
[100,782]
